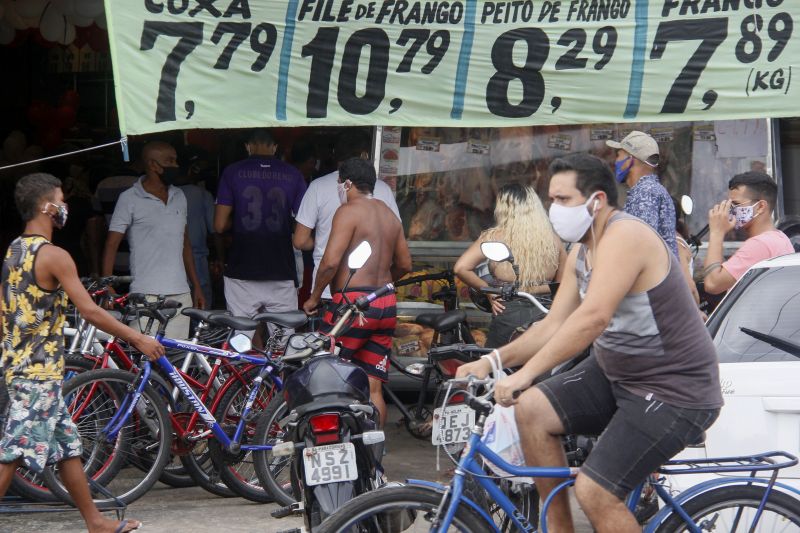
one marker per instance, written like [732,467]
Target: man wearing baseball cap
[637,159]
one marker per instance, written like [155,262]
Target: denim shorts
[637,435]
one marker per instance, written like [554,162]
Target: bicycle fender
[438,487]
[705,486]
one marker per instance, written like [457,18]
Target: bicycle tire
[104,390]
[175,474]
[388,510]
[29,484]
[237,470]
[201,468]
[781,510]
[274,473]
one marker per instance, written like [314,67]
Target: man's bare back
[368,219]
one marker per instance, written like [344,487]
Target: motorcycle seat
[290,319]
[234,322]
[202,314]
[440,322]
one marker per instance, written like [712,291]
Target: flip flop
[122,525]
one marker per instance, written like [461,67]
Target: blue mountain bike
[749,498]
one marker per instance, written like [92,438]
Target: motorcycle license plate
[330,464]
[453,425]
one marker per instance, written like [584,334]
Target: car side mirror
[358,257]
[241,343]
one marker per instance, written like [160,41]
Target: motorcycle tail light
[325,428]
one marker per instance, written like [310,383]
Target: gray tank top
[656,345]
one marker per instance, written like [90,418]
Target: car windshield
[768,301]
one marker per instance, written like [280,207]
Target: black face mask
[170,175]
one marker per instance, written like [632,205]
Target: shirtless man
[361,218]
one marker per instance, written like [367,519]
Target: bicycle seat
[203,314]
[440,322]
[240,323]
[290,319]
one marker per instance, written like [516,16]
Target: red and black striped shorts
[367,343]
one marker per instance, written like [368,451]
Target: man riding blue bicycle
[651,386]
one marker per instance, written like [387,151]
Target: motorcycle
[330,433]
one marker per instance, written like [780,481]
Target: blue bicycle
[128,421]
[743,502]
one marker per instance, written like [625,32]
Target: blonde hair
[523,225]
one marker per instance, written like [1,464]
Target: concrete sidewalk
[166,509]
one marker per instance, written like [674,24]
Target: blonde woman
[522,224]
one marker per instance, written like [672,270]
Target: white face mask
[571,223]
[340,188]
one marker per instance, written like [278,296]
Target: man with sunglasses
[751,201]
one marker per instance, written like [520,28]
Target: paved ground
[165,509]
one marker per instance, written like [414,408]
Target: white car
[755,329]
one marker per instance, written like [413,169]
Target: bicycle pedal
[294,509]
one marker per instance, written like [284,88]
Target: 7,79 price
[321,50]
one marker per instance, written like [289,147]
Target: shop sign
[462,63]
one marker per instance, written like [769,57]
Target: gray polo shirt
[155,235]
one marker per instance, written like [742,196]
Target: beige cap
[640,145]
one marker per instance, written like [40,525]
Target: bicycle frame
[126,409]
[468,465]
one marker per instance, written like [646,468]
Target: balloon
[98,39]
[50,138]
[69,34]
[7,33]
[66,7]
[89,8]
[65,117]
[71,98]
[81,22]
[39,112]
[13,18]
[53,25]
[30,8]
[31,22]
[101,22]
[33,152]
[14,145]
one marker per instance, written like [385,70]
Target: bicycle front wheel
[733,508]
[127,466]
[399,508]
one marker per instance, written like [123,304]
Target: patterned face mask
[743,214]
[60,217]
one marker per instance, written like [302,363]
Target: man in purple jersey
[262,193]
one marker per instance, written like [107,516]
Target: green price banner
[465,63]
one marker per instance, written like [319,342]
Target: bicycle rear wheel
[274,473]
[392,509]
[128,465]
[733,508]
[237,469]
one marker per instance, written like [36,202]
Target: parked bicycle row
[292,423]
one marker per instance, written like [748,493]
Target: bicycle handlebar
[362,302]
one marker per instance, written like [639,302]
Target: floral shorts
[38,427]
